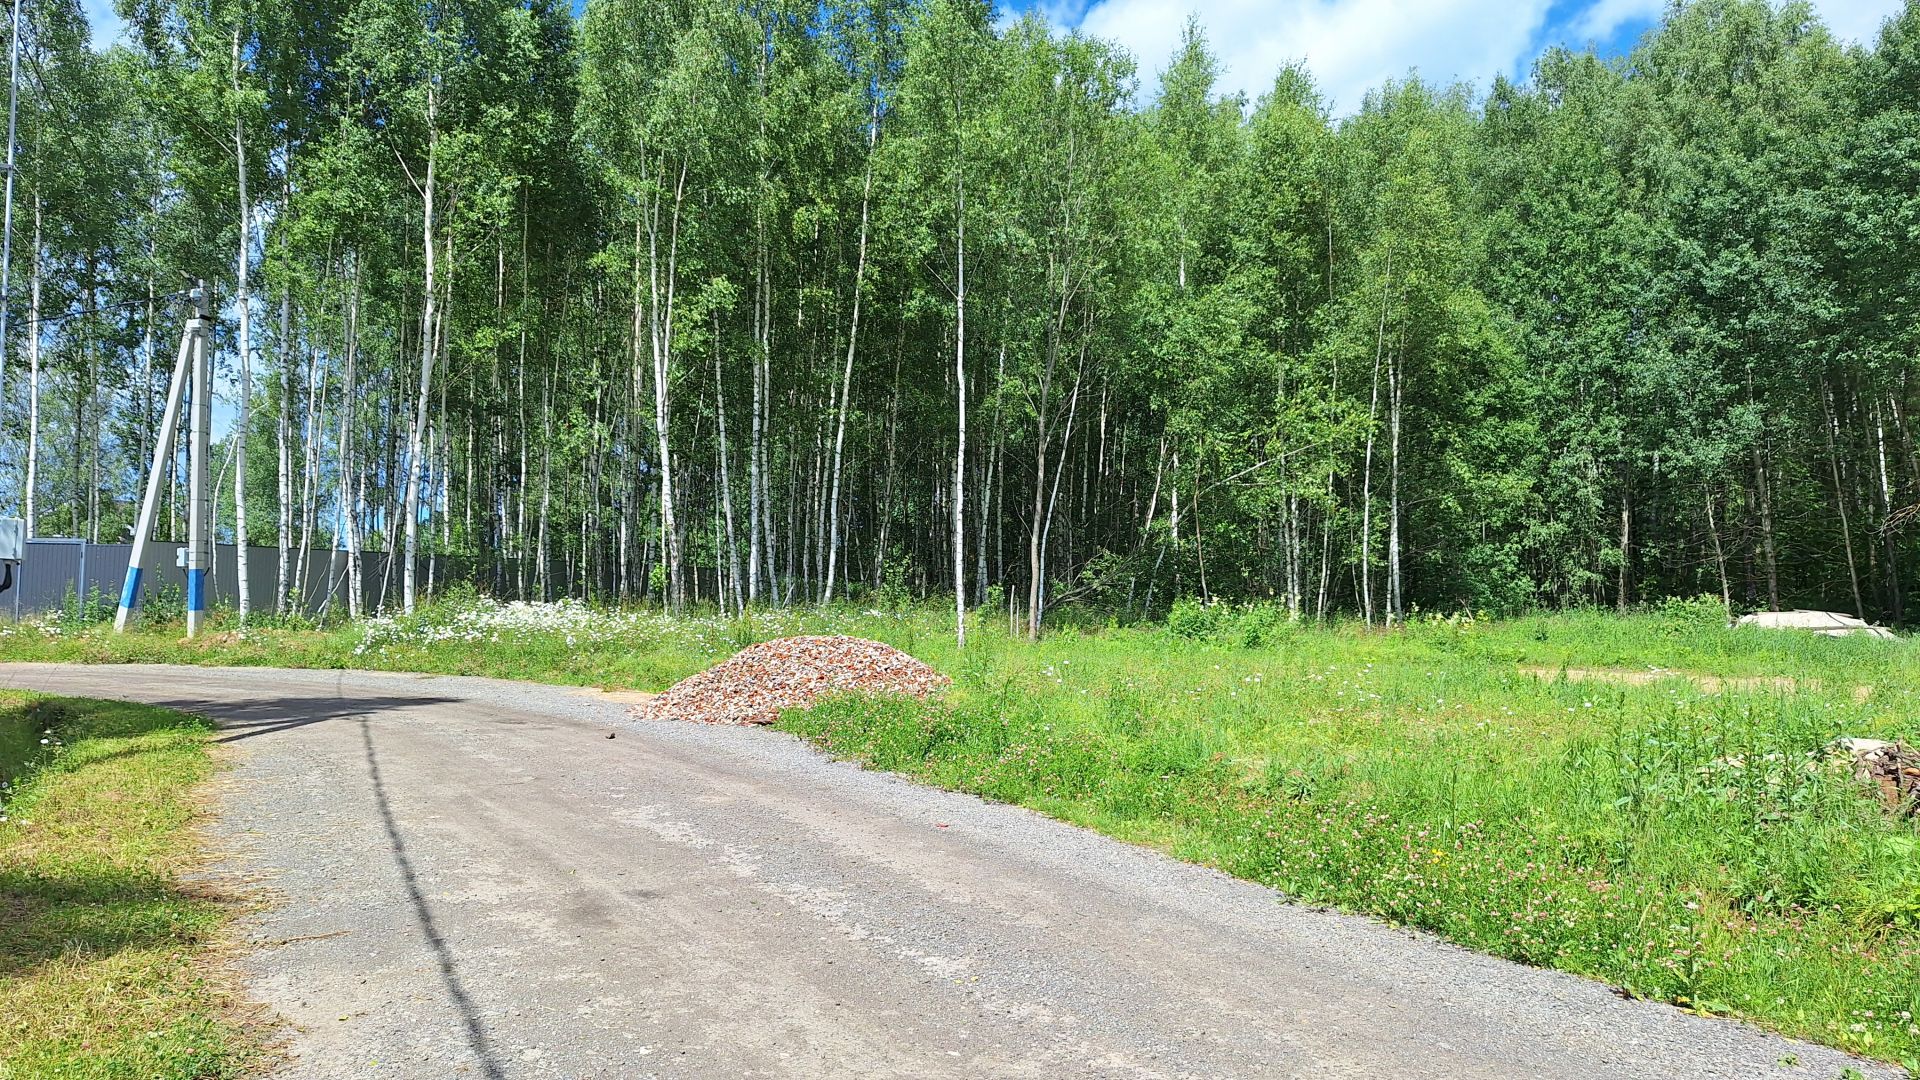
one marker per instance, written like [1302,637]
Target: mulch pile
[758,682]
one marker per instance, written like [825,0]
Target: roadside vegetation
[1651,800]
[1702,848]
[464,633]
[105,955]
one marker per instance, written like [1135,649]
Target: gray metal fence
[56,574]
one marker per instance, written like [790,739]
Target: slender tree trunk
[960,391]
[243,299]
[429,296]
[662,275]
[757,436]
[34,333]
[1719,553]
[1036,525]
[846,375]
[988,501]
[1366,476]
[311,432]
[1889,561]
[284,461]
[1037,593]
[348,496]
[1623,582]
[1767,554]
[889,475]
[726,483]
[541,569]
[1396,597]
[1840,500]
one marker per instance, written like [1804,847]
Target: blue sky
[1351,45]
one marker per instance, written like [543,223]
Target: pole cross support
[191,387]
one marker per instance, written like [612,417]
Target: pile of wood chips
[758,682]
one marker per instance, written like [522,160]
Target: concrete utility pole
[6,216]
[192,371]
[200,436]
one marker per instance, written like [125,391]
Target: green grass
[1688,846]
[105,966]
[568,643]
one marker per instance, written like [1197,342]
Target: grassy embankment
[1687,842]
[104,954]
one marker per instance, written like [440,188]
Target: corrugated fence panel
[44,576]
[57,571]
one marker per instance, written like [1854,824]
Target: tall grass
[1694,847]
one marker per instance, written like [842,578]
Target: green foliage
[1247,626]
[671,297]
[1691,617]
[167,606]
[77,611]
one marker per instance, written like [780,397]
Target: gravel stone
[786,673]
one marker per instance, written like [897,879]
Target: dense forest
[782,302]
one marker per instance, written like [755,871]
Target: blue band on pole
[131,592]
[196,590]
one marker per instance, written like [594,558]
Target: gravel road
[472,880]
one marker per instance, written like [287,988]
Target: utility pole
[200,438]
[6,216]
[192,373]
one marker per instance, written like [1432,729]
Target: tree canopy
[782,302]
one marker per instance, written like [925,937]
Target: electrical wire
[184,294]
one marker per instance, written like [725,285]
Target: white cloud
[1857,20]
[1599,22]
[1351,46]
[1850,20]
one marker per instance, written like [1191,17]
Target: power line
[183,294]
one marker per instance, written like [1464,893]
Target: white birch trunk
[349,538]
[284,462]
[1396,600]
[244,298]
[31,498]
[846,375]
[415,438]
[662,274]
[960,388]
[1366,480]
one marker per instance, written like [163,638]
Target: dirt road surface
[469,879]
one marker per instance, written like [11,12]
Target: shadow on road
[470,1019]
[268,716]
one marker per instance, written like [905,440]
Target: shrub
[1686,616]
